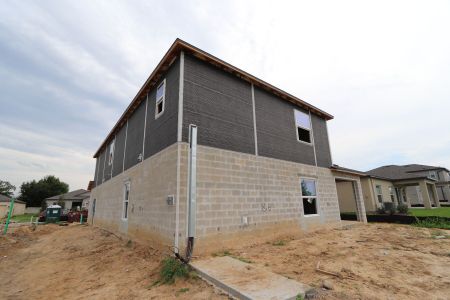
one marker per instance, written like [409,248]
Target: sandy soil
[375,261]
[81,262]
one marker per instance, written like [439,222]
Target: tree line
[34,192]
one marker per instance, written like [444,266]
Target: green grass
[432,223]
[23,218]
[228,253]
[435,212]
[279,243]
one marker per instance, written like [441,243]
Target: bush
[172,268]
[381,211]
[402,208]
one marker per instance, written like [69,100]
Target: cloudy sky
[68,69]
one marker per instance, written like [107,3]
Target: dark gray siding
[321,141]
[162,132]
[135,136]
[101,166]
[108,168]
[220,104]
[118,151]
[276,130]
[96,177]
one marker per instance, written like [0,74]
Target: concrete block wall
[150,218]
[233,185]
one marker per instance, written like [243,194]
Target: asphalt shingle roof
[395,172]
[74,195]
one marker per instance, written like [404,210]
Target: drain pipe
[192,194]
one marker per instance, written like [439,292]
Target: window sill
[306,143]
[311,215]
[124,220]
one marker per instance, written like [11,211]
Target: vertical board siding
[276,130]
[96,176]
[162,132]
[101,167]
[118,151]
[108,168]
[321,141]
[135,136]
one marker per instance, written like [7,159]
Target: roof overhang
[170,56]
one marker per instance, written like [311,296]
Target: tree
[6,188]
[34,192]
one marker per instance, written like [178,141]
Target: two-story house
[209,150]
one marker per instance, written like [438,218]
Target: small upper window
[309,196]
[160,98]
[126,198]
[379,193]
[111,152]
[303,125]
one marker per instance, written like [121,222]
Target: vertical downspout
[192,191]
[179,139]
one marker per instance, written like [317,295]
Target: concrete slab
[246,281]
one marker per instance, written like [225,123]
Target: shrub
[381,211]
[172,268]
[402,208]
[279,243]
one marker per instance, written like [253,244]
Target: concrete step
[246,281]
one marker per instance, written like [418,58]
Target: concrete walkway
[246,281]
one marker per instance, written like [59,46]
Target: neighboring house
[74,200]
[18,209]
[262,158]
[414,185]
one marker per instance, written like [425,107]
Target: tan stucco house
[18,209]
[414,185]
[78,199]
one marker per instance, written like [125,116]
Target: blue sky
[68,69]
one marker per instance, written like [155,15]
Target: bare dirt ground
[82,262]
[376,261]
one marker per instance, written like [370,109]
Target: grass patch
[228,253]
[299,297]
[181,291]
[22,218]
[279,243]
[434,212]
[432,223]
[171,269]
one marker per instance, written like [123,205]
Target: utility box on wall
[171,200]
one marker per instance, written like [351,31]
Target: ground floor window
[75,205]
[309,196]
[379,193]
[126,197]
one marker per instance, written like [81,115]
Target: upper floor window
[111,152]
[379,193]
[309,196]
[433,175]
[160,99]
[303,126]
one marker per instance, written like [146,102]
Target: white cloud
[381,68]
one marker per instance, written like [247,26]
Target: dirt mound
[82,262]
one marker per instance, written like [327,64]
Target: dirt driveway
[80,262]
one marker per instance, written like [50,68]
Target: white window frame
[160,99]
[302,127]
[392,194]
[112,146]
[125,212]
[379,193]
[316,197]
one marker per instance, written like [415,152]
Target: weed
[299,297]
[242,259]
[181,291]
[279,243]
[129,244]
[222,253]
[171,269]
